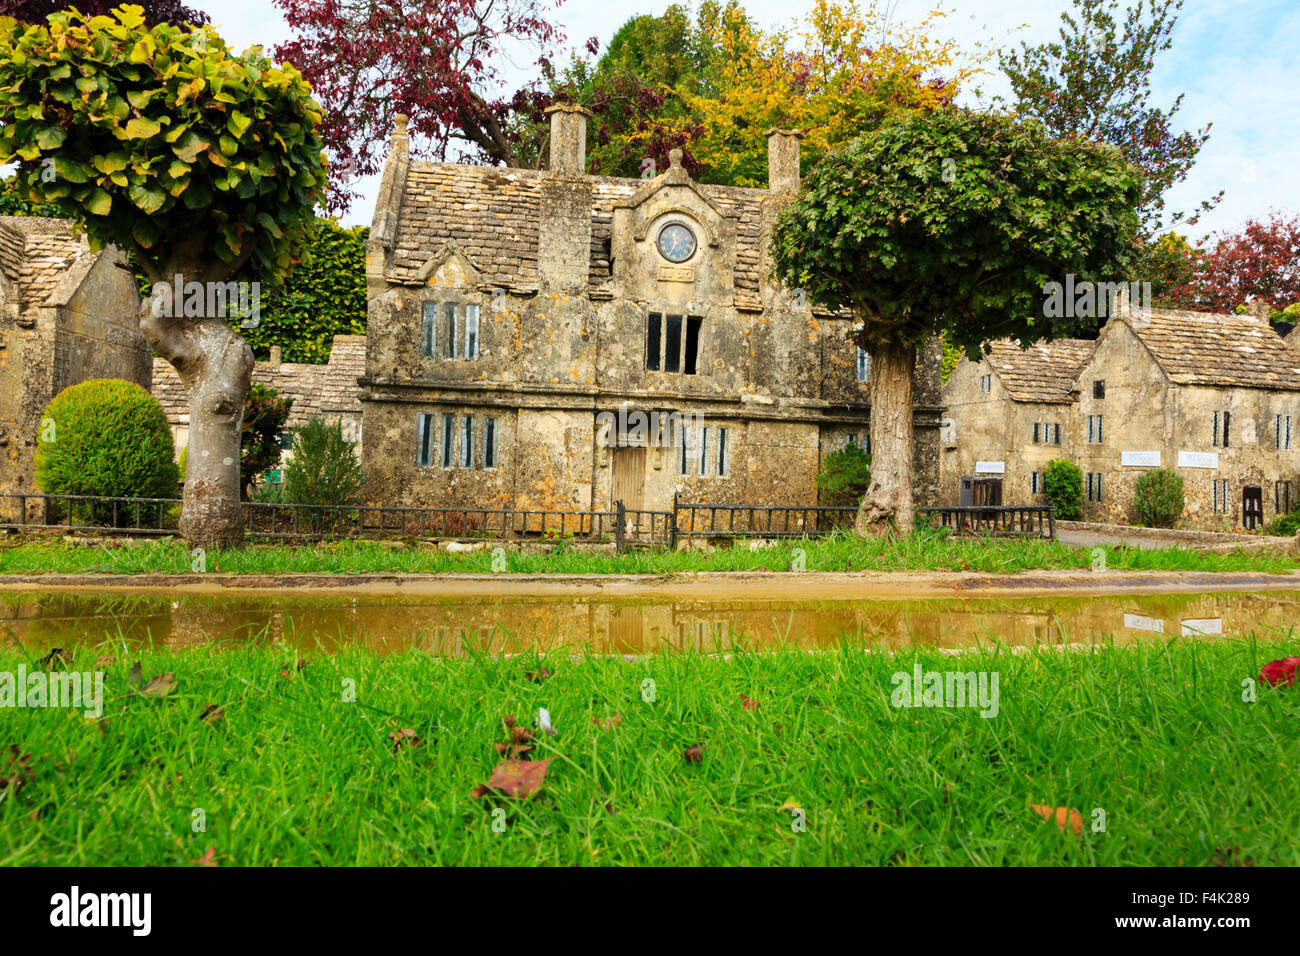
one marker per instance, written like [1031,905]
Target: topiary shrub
[106,438]
[1159,498]
[1063,487]
[843,480]
[324,471]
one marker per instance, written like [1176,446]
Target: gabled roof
[1211,348]
[317,390]
[494,215]
[44,259]
[1040,373]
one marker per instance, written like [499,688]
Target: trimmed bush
[1159,498]
[845,476]
[107,438]
[1063,487]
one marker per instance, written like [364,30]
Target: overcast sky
[1230,59]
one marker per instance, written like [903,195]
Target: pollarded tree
[204,164]
[950,222]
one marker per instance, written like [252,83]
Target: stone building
[1214,397]
[551,339]
[69,314]
[329,391]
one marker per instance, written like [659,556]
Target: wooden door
[629,477]
[1252,507]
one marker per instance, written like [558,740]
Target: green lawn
[1156,736]
[924,551]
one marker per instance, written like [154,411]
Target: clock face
[676,242]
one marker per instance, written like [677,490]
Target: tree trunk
[216,367]
[889,497]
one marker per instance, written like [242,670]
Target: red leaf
[1281,672]
[1063,816]
[516,778]
[694,753]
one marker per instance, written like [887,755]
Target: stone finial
[400,140]
[783,159]
[1260,309]
[568,144]
[275,356]
[674,159]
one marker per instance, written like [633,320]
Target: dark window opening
[1098,389]
[692,345]
[490,444]
[653,334]
[673,349]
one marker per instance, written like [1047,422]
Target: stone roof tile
[1210,348]
[1040,373]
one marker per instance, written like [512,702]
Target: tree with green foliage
[323,470]
[263,424]
[204,164]
[1063,488]
[845,475]
[106,438]
[1094,84]
[950,222]
[1158,498]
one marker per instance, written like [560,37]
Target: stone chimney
[783,160]
[1259,309]
[275,356]
[568,145]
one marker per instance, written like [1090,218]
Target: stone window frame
[864,365]
[699,454]
[986,384]
[1221,430]
[1219,501]
[1095,486]
[1099,388]
[1096,429]
[1035,482]
[450,330]
[1281,497]
[1047,433]
[1282,432]
[445,434]
[690,328]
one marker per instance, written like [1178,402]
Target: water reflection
[456,627]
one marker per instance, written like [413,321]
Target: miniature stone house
[556,340]
[328,391]
[1214,397]
[66,315]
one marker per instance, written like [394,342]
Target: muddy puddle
[610,626]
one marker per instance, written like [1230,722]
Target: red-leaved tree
[1260,260]
[439,63]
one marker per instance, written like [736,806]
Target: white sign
[1210,625]
[990,467]
[1140,459]
[1139,623]
[1198,459]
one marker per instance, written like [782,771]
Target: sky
[1229,60]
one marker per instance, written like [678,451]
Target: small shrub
[108,438]
[845,476]
[324,471]
[1063,487]
[264,416]
[1287,524]
[1159,498]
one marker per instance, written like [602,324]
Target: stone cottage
[69,314]
[551,339]
[1214,397]
[328,391]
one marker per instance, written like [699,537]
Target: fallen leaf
[212,713]
[1280,672]
[209,858]
[17,769]
[512,750]
[103,660]
[607,723]
[404,736]
[1230,856]
[789,805]
[520,735]
[516,778]
[537,676]
[508,719]
[694,753]
[748,703]
[1062,814]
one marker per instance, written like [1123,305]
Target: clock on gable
[676,242]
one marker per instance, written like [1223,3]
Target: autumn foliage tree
[1094,83]
[950,222]
[1229,268]
[204,164]
[439,63]
[153,11]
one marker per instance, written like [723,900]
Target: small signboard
[1209,625]
[1140,623]
[274,476]
[1140,459]
[990,467]
[1198,459]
